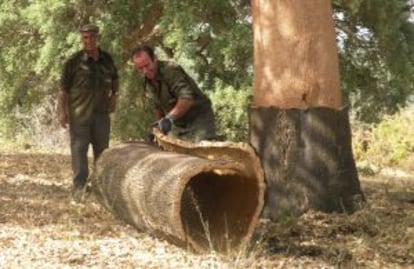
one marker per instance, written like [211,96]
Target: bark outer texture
[295,54]
[307,160]
[198,201]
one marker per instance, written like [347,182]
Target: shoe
[80,193]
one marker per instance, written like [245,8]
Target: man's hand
[63,119]
[165,124]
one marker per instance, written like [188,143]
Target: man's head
[89,36]
[145,61]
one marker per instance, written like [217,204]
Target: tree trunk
[297,123]
[209,200]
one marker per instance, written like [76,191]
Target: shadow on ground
[383,230]
[35,192]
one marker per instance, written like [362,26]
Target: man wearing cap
[182,110]
[89,86]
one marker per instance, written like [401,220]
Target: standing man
[89,86]
[181,109]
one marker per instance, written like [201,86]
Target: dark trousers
[95,133]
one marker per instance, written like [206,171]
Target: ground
[42,227]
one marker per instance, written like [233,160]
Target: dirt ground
[42,227]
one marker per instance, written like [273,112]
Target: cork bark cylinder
[197,203]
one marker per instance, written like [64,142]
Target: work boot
[80,193]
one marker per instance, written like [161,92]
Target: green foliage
[215,40]
[388,143]
[133,117]
[230,107]
[219,39]
[6,131]
[376,55]
[33,35]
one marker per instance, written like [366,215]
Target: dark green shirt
[89,84]
[172,82]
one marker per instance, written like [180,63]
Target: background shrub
[230,106]
[388,143]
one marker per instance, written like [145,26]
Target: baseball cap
[89,28]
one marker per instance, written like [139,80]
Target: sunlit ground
[41,227]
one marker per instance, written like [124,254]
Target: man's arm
[183,88]
[158,114]
[63,95]
[114,96]
[63,108]
[181,108]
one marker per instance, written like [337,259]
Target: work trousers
[96,132]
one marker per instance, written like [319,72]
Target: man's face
[145,65]
[89,41]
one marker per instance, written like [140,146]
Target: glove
[165,124]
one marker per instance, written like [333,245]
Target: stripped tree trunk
[297,123]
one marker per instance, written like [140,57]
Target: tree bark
[209,200]
[307,160]
[297,123]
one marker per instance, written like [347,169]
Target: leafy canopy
[211,38]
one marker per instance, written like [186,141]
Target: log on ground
[199,203]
